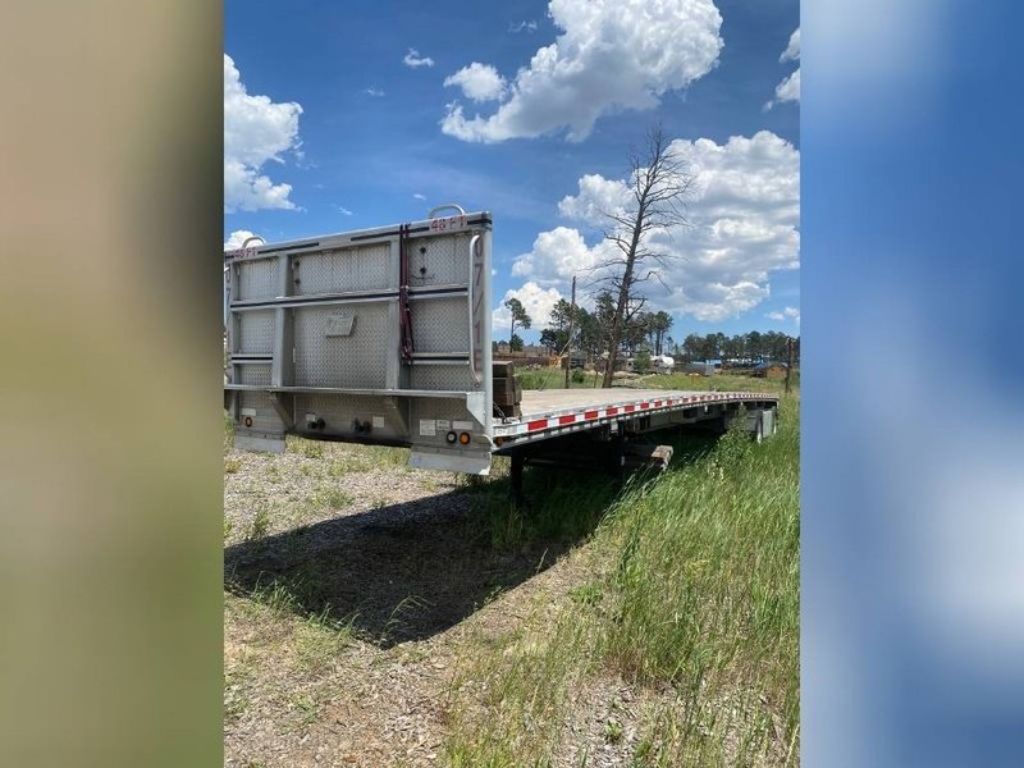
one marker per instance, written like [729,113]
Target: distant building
[769,370]
[528,350]
[529,355]
[662,363]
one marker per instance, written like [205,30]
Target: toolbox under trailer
[383,336]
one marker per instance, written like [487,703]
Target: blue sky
[373,139]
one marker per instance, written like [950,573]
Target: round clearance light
[451,438]
[464,438]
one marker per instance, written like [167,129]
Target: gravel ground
[385,575]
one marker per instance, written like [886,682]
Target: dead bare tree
[660,183]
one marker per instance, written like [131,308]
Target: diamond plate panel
[360,268]
[358,360]
[255,333]
[442,377]
[439,260]
[441,325]
[435,408]
[256,280]
[257,375]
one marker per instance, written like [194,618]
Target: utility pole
[568,342]
[789,362]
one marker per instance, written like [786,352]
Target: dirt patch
[350,592]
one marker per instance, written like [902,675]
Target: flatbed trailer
[383,336]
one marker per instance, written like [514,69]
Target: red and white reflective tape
[636,408]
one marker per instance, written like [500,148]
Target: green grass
[694,599]
[278,634]
[229,432]
[341,458]
[260,525]
[311,449]
[332,498]
[613,731]
[317,637]
[236,702]
[385,457]
[552,378]
[561,507]
[722,382]
[320,639]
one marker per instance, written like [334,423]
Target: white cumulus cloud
[611,55]
[413,60]
[523,26]
[373,91]
[792,52]
[556,256]
[743,223]
[256,131]
[237,239]
[789,313]
[537,301]
[789,88]
[598,196]
[479,82]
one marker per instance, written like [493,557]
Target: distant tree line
[752,347]
[648,332]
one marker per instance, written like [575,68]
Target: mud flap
[259,444]
[451,461]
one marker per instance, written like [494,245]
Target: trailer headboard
[373,336]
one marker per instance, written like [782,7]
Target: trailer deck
[550,413]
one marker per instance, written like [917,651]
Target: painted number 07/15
[447,224]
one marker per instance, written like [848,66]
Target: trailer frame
[383,336]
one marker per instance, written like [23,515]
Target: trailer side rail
[580,418]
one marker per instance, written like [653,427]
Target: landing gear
[516,478]
[616,457]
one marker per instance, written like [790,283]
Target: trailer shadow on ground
[411,570]
[396,573]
